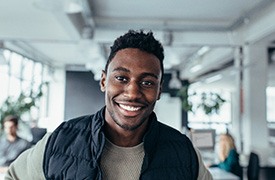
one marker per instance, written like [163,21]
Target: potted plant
[210,102]
[20,105]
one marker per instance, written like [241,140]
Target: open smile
[130,109]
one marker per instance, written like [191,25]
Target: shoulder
[171,133]
[78,120]
[74,131]
[233,152]
[69,130]
[85,120]
[23,143]
[172,141]
[75,124]
[159,132]
[2,139]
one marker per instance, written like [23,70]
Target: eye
[147,83]
[121,78]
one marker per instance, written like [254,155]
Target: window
[20,74]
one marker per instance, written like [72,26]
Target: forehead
[224,137]
[135,59]
[9,123]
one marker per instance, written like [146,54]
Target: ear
[102,82]
[160,89]
[159,95]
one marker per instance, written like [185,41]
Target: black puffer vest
[74,148]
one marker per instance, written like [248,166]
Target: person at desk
[11,145]
[123,140]
[228,155]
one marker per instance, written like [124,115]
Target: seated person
[11,145]
[228,155]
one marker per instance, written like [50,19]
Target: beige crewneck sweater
[123,163]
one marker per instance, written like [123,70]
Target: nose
[133,91]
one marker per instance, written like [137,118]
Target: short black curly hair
[140,40]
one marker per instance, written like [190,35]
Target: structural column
[254,127]
[236,100]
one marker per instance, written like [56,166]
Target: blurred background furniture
[253,168]
[37,134]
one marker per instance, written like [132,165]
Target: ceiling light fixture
[196,68]
[73,6]
[213,78]
[68,6]
[203,50]
[175,82]
[167,38]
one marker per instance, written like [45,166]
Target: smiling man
[124,140]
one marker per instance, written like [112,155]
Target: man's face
[10,128]
[132,85]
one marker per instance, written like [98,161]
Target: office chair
[253,168]
[37,134]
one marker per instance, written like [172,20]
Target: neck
[125,138]
[11,138]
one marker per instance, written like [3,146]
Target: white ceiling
[44,30]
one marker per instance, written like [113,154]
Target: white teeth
[129,108]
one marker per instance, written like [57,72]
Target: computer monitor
[203,139]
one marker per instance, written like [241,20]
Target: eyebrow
[143,74]
[121,69]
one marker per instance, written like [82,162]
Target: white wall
[168,110]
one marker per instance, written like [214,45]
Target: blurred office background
[225,47]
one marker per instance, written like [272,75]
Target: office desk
[219,174]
